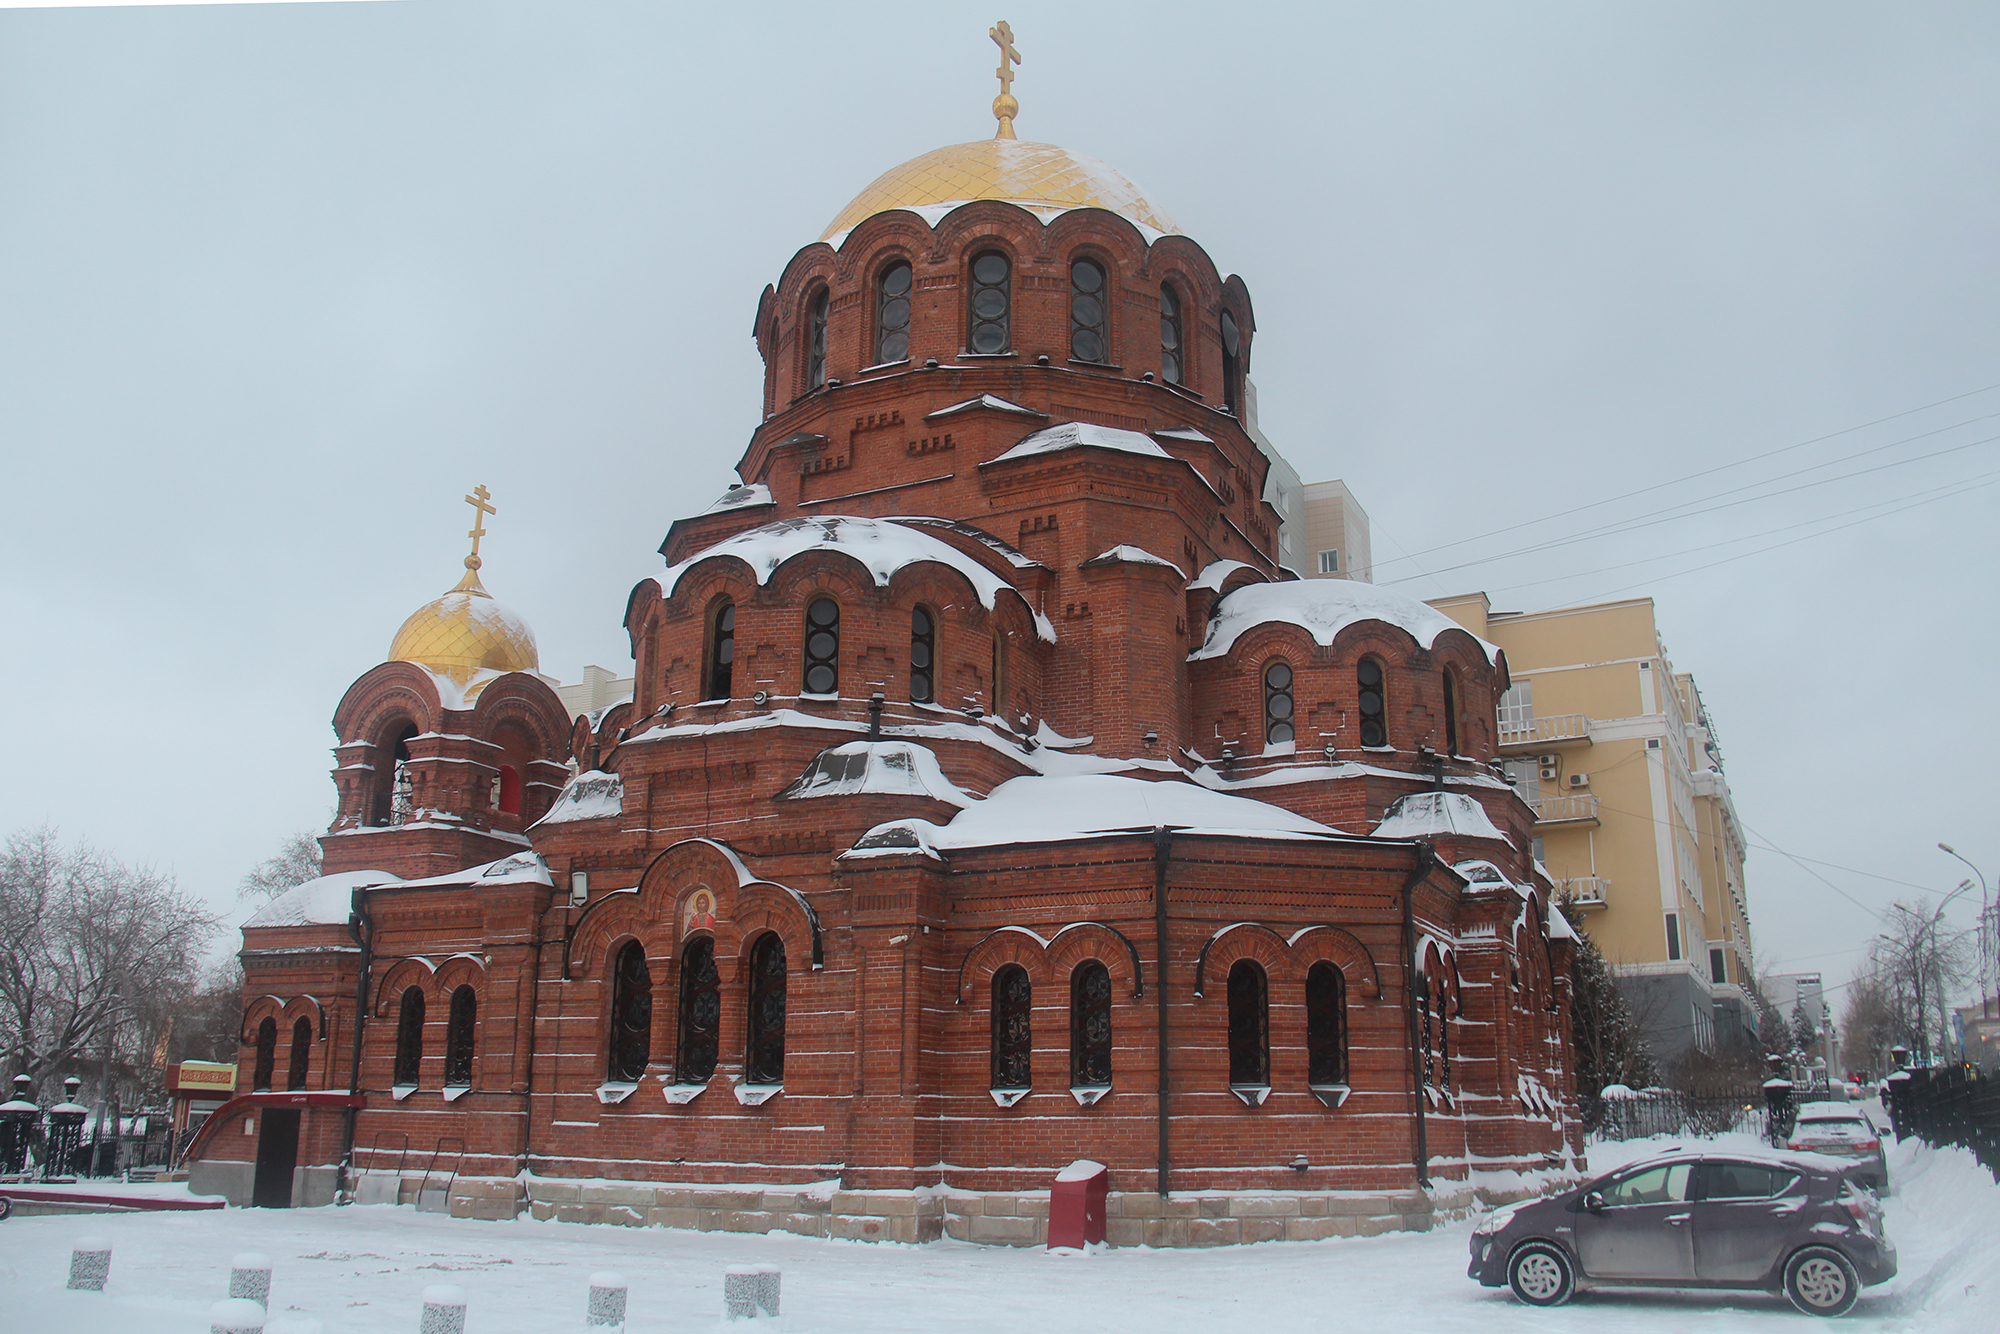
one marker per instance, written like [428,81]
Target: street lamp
[1987,982]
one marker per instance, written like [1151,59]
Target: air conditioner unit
[1549,772]
[1579,780]
[1550,761]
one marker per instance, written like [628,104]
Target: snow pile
[1429,814]
[882,546]
[1126,553]
[322,902]
[1215,572]
[1324,607]
[523,868]
[990,401]
[590,795]
[894,768]
[1040,809]
[1073,435]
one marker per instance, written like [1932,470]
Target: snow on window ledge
[1089,1094]
[453,1092]
[1008,1097]
[756,1095]
[1253,1095]
[1331,1094]
[402,1091]
[615,1091]
[682,1094]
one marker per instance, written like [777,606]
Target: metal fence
[1666,1112]
[1947,1105]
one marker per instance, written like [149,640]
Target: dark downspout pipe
[1163,842]
[1426,858]
[363,935]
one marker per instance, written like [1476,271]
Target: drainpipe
[1426,858]
[358,928]
[1163,842]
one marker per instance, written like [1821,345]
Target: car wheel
[1820,1281]
[1540,1274]
[6,1206]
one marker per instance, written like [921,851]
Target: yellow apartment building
[1617,755]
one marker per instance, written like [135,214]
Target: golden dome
[1042,178]
[466,632]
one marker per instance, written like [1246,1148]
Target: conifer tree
[1605,1036]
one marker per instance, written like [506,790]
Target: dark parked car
[1840,1130]
[1778,1222]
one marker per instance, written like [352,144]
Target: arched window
[1249,1026]
[302,1036]
[1278,703]
[267,1055]
[701,1011]
[1450,712]
[1443,1004]
[1090,1025]
[923,656]
[1173,366]
[816,341]
[991,305]
[1089,338]
[1232,366]
[1326,1025]
[1373,703]
[822,675]
[410,1038]
[892,314]
[764,1053]
[460,1029]
[721,652]
[1012,1030]
[392,792]
[631,1015]
[508,797]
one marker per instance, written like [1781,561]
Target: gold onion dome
[466,632]
[1042,178]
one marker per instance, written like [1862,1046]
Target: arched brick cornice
[1114,234]
[1096,940]
[998,948]
[623,914]
[383,693]
[457,971]
[1342,949]
[644,597]
[414,971]
[530,703]
[1244,940]
[987,224]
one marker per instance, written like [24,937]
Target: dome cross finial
[481,502]
[1005,108]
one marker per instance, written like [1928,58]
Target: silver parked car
[1739,1219]
[1840,1130]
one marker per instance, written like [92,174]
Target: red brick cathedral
[989,797]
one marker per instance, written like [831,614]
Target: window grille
[302,1033]
[1326,1025]
[1173,365]
[410,1038]
[267,1055]
[1278,703]
[701,1011]
[1249,1025]
[631,1015]
[1088,314]
[460,1029]
[1090,1025]
[1372,702]
[764,1059]
[992,304]
[1012,1028]
[892,314]
[822,675]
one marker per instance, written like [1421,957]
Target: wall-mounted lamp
[579,888]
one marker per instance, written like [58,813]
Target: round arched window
[892,315]
[1087,313]
[1374,708]
[1278,703]
[822,675]
[991,329]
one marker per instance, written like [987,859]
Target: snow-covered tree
[295,862]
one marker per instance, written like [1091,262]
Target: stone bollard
[768,1279]
[607,1300]
[236,1315]
[444,1309]
[250,1277]
[739,1291]
[89,1264]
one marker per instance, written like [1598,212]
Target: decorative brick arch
[1094,940]
[457,971]
[382,693]
[997,949]
[1342,949]
[606,925]
[1245,940]
[414,971]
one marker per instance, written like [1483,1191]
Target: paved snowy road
[344,1271]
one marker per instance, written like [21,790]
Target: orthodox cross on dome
[1005,108]
[481,502]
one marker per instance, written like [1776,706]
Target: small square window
[1329,562]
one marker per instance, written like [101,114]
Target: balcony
[1570,811]
[1556,730]
[1586,892]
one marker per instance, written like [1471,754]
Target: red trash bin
[1076,1204]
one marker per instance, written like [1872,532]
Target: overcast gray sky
[278,284]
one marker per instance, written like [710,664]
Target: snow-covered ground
[342,1271]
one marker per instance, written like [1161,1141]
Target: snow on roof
[741,495]
[1126,552]
[1013,555]
[1425,814]
[590,795]
[880,544]
[1558,927]
[1071,435]
[993,401]
[523,868]
[893,767]
[1185,433]
[321,902]
[1324,607]
[1478,871]
[1215,572]
[1041,809]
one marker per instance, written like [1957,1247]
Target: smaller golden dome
[466,632]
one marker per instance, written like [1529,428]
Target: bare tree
[1869,1023]
[94,955]
[1917,966]
[295,862]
